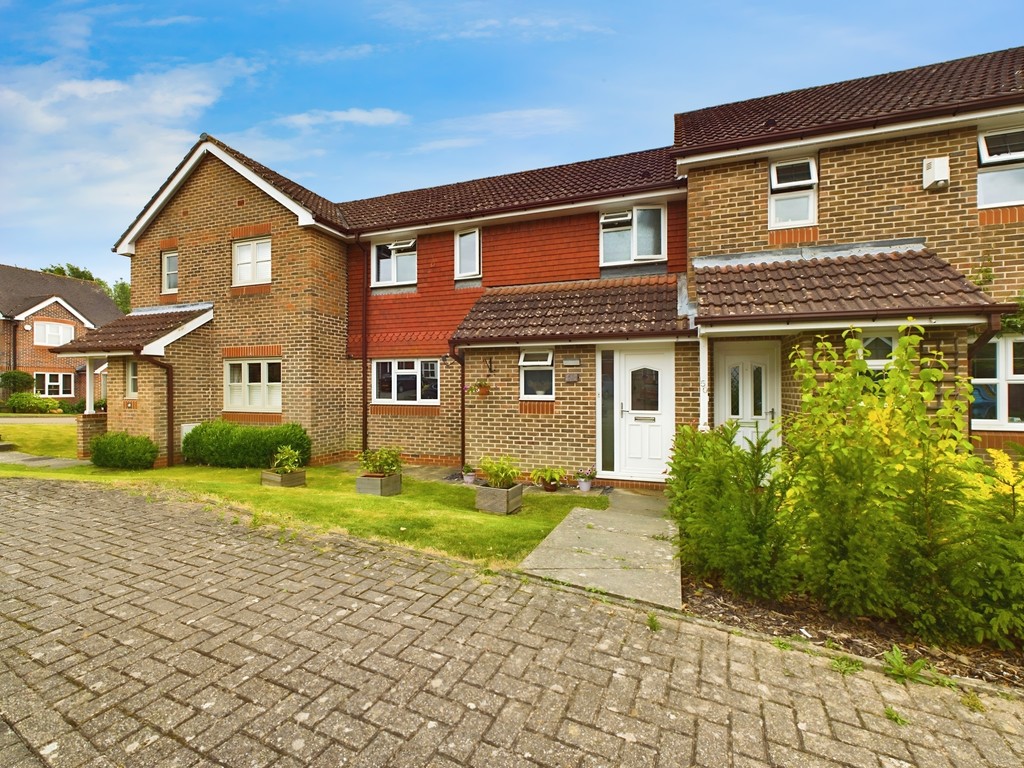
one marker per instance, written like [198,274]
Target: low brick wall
[89,426]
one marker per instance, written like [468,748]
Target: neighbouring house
[575,315]
[39,311]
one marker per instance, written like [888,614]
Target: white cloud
[322,117]
[348,53]
[166,21]
[445,144]
[464,20]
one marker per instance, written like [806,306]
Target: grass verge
[41,439]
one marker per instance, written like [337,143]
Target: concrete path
[625,550]
[141,632]
[30,460]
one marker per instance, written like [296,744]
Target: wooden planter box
[289,480]
[379,485]
[499,501]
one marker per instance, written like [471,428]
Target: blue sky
[353,98]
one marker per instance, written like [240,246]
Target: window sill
[256,289]
[793,235]
[168,298]
[251,417]
[980,425]
[421,410]
[1001,214]
[536,406]
[633,262]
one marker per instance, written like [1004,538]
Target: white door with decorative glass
[646,412]
[747,388]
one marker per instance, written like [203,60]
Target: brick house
[39,311]
[601,303]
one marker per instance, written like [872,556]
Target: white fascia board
[157,348]
[839,324]
[95,354]
[126,246]
[54,300]
[663,196]
[815,143]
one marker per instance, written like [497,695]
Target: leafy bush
[381,461]
[728,502]
[119,450]
[29,402]
[226,444]
[286,460]
[548,475]
[17,381]
[502,472]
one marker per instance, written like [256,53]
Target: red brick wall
[33,359]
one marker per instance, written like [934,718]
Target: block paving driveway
[144,632]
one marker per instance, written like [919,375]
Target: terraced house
[575,315]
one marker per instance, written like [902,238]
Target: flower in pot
[381,472]
[480,387]
[468,474]
[548,478]
[584,477]
[285,469]
[502,494]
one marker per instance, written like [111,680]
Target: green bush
[17,381]
[381,461]
[29,402]
[502,472]
[225,444]
[119,450]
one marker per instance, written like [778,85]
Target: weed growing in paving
[652,621]
[972,701]
[844,665]
[898,668]
[895,716]
[782,645]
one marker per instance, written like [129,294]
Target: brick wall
[89,425]
[33,359]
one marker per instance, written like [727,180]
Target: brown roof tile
[639,306]
[591,179]
[132,332]
[22,289]
[976,82]
[885,285]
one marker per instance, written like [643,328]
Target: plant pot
[379,485]
[549,487]
[584,485]
[287,480]
[469,478]
[499,501]
[483,391]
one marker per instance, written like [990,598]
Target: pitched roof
[133,332]
[969,84]
[894,285]
[580,309]
[22,289]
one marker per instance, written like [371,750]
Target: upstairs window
[1001,168]
[251,262]
[536,375]
[169,272]
[394,263]
[467,254]
[52,334]
[793,200]
[633,235]
[406,381]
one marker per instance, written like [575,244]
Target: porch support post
[90,387]
[703,386]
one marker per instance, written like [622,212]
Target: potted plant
[286,469]
[584,478]
[468,474]
[548,478]
[480,387]
[381,472]
[502,494]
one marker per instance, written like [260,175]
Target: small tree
[17,381]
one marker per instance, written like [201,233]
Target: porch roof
[880,285]
[580,309]
[133,333]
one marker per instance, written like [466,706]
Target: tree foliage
[120,292]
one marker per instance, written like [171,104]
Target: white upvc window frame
[623,220]
[477,271]
[244,393]
[405,367]
[247,258]
[878,364]
[406,248]
[165,272]
[780,191]
[131,379]
[1000,165]
[58,379]
[46,333]
[1004,378]
[533,361]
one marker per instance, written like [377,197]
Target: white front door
[646,412]
[747,387]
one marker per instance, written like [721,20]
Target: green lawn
[429,515]
[41,439]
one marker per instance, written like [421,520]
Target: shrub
[29,402]
[225,444]
[119,450]
[502,472]
[17,381]
[381,461]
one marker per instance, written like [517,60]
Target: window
[131,379]
[394,263]
[252,385]
[406,381]
[55,384]
[467,254]
[169,281]
[878,351]
[536,375]
[1001,169]
[793,200]
[997,374]
[637,234]
[52,334]
[251,262]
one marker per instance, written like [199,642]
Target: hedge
[226,444]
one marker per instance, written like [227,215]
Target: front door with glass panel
[747,387]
